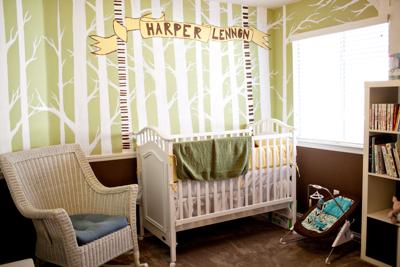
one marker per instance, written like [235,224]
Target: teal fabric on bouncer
[333,209]
[321,220]
[89,227]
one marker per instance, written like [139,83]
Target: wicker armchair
[49,184]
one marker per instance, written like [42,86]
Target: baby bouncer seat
[325,219]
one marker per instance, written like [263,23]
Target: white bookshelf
[378,189]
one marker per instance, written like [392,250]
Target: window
[328,75]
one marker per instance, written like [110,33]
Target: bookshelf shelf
[381,151]
[383,176]
[384,132]
[382,216]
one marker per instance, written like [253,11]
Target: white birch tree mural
[5,106]
[24,63]
[105,120]
[216,94]
[57,47]
[284,68]
[80,74]
[138,68]
[233,73]
[263,63]
[160,79]
[199,72]
[185,115]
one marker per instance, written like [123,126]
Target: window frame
[345,147]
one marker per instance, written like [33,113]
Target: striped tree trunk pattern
[81,109]
[23,79]
[5,133]
[247,68]
[263,61]
[139,72]
[199,73]
[105,119]
[119,13]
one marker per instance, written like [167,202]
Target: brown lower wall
[334,170]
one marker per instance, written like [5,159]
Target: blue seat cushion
[89,227]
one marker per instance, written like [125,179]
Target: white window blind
[329,72]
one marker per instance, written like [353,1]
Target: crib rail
[270,126]
[270,179]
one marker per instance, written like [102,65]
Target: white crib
[169,206]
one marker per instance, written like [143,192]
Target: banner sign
[159,27]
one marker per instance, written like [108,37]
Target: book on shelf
[384,155]
[384,117]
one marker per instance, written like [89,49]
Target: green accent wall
[49,91]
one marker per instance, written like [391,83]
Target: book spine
[392,165]
[385,161]
[397,160]
[380,163]
[373,157]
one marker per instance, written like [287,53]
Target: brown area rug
[246,242]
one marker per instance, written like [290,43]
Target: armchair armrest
[120,200]
[53,225]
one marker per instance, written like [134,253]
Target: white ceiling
[265,3]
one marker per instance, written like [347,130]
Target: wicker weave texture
[49,184]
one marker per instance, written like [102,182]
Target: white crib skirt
[275,183]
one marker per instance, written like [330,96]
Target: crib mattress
[275,184]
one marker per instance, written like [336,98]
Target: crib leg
[173,255]
[327,261]
[141,229]
[172,246]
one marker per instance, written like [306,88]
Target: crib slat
[268,177]
[246,190]
[281,167]
[239,201]
[253,172]
[287,183]
[190,203]
[207,196]
[215,195]
[223,197]
[260,178]
[230,194]
[180,202]
[275,154]
[198,199]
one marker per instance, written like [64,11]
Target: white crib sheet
[278,188]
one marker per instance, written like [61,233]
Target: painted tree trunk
[185,115]
[263,62]
[160,79]
[284,76]
[233,74]
[60,75]
[5,133]
[23,81]
[216,85]
[247,68]
[124,105]
[199,73]
[80,75]
[139,74]
[105,123]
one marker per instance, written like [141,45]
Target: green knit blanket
[213,159]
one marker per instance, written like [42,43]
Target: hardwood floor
[245,242]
